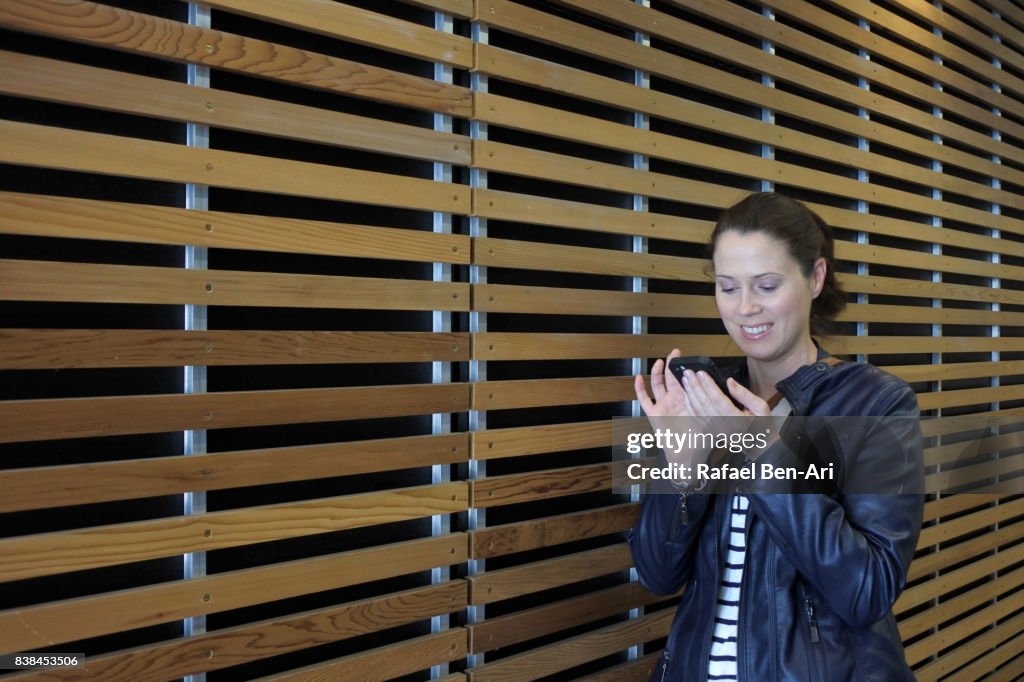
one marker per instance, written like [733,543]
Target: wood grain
[555,530]
[27,280]
[573,651]
[32,556]
[516,581]
[77,348]
[515,628]
[493,491]
[32,420]
[100,25]
[257,641]
[386,662]
[40,215]
[34,628]
[57,81]
[360,26]
[35,145]
[105,481]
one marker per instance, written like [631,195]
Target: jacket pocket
[815,648]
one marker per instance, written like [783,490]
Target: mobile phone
[699,363]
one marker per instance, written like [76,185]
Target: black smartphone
[699,363]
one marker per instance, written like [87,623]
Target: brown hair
[807,237]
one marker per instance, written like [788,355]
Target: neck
[765,374]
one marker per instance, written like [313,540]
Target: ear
[818,277]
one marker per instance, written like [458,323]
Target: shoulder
[861,388]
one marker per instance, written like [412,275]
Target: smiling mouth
[754,331]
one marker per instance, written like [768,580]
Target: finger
[646,404]
[658,386]
[717,401]
[672,383]
[750,400]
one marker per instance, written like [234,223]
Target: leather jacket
[821,572]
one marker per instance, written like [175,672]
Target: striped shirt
[722,662]
[722,665]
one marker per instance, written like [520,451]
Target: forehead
[751,253]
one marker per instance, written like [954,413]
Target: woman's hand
[697,396]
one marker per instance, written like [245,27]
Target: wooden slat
[510,298]
[514,628]
[517,441]
[502,205]
[494,491]
[509,253]
[31,420]
[976,445]
[39,215]
[32,556]
[966,59]
[639,670]
[985,516]
[506,583]
[943,584]
[100,25]
[514,394]
[957,370]
[574,651]
[28,280]
[51,487]
[56,81]
[560,258]
[41,627]
[563,33]
[717,45]
[257,641]
[75,348]
[1003,596]
[458,8]
[992,640]
[361,26]
[980,476]
[387,662]
[828,53]
[45,146]
[969,396]
[547,75]
[960,552]
[507,158]
[547,532]
[875,42]
[989,650]
[936,509]
[568,346]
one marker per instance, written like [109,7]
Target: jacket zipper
[812,620]
[815,635]
[684,513]
[664,665]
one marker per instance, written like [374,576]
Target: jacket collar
[795,386]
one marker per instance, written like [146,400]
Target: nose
[748,303]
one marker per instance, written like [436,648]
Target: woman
[785,586]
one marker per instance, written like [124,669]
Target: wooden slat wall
[441,238]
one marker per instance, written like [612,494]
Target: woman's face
[763,297]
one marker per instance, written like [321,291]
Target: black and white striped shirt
[722,663]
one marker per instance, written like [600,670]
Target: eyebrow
[763,274]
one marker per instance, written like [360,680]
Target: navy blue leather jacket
[822,571]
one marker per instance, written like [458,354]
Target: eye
[768,287]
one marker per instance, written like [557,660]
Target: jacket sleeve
[855,549]
[665,538]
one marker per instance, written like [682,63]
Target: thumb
[748,398]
